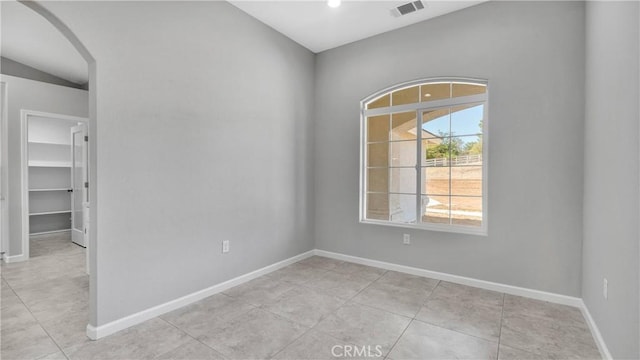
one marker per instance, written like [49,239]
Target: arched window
[424,156]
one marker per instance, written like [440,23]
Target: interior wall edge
[595,331]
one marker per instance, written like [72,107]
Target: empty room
[246,179]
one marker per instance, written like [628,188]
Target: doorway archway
[92,247]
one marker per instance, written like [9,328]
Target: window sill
[456,229]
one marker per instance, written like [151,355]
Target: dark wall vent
[407,8]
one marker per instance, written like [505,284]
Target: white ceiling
[318,27]
[31,40]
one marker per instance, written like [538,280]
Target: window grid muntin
[421,107]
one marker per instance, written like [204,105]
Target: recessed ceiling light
[334,3]
[427,95]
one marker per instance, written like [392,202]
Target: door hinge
[86,185]
[86,138]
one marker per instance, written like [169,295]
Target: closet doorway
[54,177]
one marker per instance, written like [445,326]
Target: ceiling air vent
[407,8]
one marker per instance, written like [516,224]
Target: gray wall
[204,122]
[532,54]
[611,183]
[14,68]
[31,95]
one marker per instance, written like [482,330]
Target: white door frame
[4,188]
[24,169]
[82,129]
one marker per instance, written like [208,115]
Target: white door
[79,195]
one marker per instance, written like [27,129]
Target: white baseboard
[602,346]
[14,258]
[139,317]
[97,332]
[507,289]
[488,285]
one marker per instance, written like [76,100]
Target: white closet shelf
[50,212]
[55,189]
[63,164]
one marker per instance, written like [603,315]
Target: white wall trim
[24,167]
[602,346]
[488,285]
[97,332]
[15,258]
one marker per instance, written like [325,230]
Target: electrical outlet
[406,239]
[225,246]
[605,289]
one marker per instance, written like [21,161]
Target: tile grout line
[412,319]
[457,331]
[329,314]
[375,308]
[189,335]
[500,330]
[38,322]
[398,339]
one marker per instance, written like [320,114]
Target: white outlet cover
[406,239]
[225,246]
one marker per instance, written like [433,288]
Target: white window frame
[420,107]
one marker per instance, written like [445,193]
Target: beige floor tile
[59,355]
[509,353]
[363,271]
[56,289]
[196,319]
[297,273]
[514,305]
[321,262]
[52,245]
[364,326]
[29,341]
[15,315]
[552,338]
[465,309]
[60,308]
[392,298]
[44,308]
[147,340]
[423,341]
[408,281]
[5,289]
[9,300]
[35,270]
[468,294]
[315,345]
[192,350]
[257,334]
[341,285]
[305,306]
[70,330]
[261,291]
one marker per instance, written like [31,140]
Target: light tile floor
[303,311]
